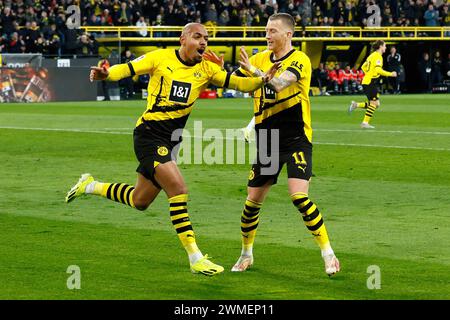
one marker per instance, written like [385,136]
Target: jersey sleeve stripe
[239,73]
[131,69]
[294,71]
[227,80]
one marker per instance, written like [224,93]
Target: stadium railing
[254,34]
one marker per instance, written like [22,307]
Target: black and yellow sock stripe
[310,214]
[250,221]
[120,192]
[311,217]
[180,218]
[370,110]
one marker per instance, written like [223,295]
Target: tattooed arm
[285,80]
[277,83]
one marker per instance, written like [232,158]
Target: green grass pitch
[384,195]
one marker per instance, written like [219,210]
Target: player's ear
[289,34]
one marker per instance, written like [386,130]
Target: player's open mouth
[200,51]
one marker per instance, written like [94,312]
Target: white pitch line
[224,138]
[65,130]
[378,146]
[384,131]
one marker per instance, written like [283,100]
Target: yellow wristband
[253,70]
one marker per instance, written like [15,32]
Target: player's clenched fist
[98,73]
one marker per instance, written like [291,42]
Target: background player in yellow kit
[373,69]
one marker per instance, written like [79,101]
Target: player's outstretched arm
[385,73]
[251,84]
[115,73]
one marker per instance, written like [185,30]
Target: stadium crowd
[40,25]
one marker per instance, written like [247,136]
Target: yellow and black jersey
[288,110]
[174,86]
[373,68]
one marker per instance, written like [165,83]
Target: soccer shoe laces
[206,267]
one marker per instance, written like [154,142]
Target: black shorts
[298,163]
[371,91]
[150,152]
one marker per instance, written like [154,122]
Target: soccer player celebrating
[373,69]
[282,106]
[177,78]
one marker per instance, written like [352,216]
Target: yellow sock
[180,220]
[362,105]
[312,218]
[249,224]
[119,192]
[369,113]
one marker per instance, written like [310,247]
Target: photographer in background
[425,73]
[436,69]
[394,64]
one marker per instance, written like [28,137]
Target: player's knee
[180,189]
[141,204]
[141,207]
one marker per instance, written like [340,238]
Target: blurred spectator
[127,83]
[70,41]
[106,18]
[431,17]
[447,68]
[317,15]
[141,23]
[349,14]
[211,14]
[358,75]
[436,69]
[85,46]
[94,21]
[224,18]
[40,46]
[336,78]
[320,78]
[15,43]
[123,15]
[445,18]
[348,82]
[7,19]
[425,72]
[393,64]
[54,45]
